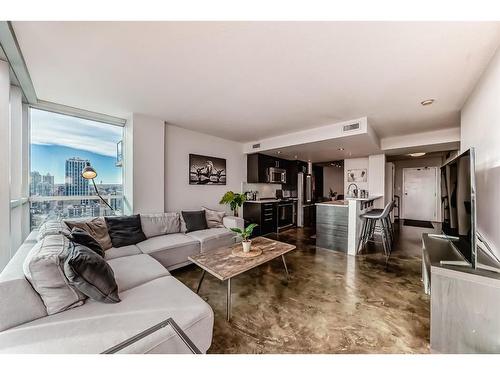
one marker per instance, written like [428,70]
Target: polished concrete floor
[332,303]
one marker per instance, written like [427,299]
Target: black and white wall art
[206,170]
[357,175]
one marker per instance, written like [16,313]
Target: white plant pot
[246,246]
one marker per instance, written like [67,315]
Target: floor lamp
[89,173]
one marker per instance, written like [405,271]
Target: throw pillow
[51,227]
[125,230]
[44,269]
[159,224]
[90,274]
[96,227]
[81,237]
[195,220]
[214,218]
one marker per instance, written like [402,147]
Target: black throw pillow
[195,220]
[90,274]
[82,237]
[125,230]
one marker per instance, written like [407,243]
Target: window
[61,146]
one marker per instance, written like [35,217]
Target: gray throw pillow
[51,227]
[96,227]
[160,224]
[44,269]
[214,218]
[91,274]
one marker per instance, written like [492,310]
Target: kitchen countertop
[333,203]
[272,200]
[369,198]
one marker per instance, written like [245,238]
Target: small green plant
[246,232]
[234,200]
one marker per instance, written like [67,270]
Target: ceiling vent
[350,127]
[256,145]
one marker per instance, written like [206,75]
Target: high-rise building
[36,178]
[46,187]
[75,183]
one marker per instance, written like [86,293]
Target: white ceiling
[250,80]
[330,149]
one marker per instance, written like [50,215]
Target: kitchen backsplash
[264,190]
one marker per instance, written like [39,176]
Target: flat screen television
[458,198]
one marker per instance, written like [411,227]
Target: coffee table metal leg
[286,268]
[228,303]
[201,280]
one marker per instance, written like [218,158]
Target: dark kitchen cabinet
[262,214]
[318,182]
[258,164]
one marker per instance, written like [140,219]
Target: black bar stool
[371,219]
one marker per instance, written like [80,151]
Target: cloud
[49,128]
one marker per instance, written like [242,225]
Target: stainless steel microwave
[276,175]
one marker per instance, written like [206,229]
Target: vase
[246,245]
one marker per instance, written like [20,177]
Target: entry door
[420,200]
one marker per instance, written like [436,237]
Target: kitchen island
[338,223]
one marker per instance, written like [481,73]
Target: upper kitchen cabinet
[258,169]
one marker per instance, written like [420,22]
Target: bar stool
[370,221]
[387,219]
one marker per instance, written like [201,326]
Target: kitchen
[285,193]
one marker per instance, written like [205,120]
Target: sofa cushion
[214,218]
[96,227]
[125,230]
[213,238]
[95,327]
[14,309]
[124,251]
[160,224]
[171,249]
[135,270]
[90,274]
[82,237]
[51,227]
[43,267]
[194,220]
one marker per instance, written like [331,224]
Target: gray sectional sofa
[149,295]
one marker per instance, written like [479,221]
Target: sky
[56,137]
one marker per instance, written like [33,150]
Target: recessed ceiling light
[427,102]
[341,149]
[278,152]
[295,156]
[417,154]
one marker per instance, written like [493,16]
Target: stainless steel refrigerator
[305,203]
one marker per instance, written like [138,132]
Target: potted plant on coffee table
[234,200]
[245,234]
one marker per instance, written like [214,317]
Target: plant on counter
[234,200]
[245,235]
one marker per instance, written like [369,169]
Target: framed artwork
[206,170]
[357,175]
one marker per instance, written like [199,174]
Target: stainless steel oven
[276,175]
[286,214]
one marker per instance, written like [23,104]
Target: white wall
[144,164]
[376,178]
[333,177]
[357,163]
[179,195]
[480,128]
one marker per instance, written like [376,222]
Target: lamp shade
[88,172]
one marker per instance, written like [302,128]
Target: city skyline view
[56,138]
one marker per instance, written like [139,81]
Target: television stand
[464,301]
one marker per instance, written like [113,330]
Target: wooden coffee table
[224,265]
